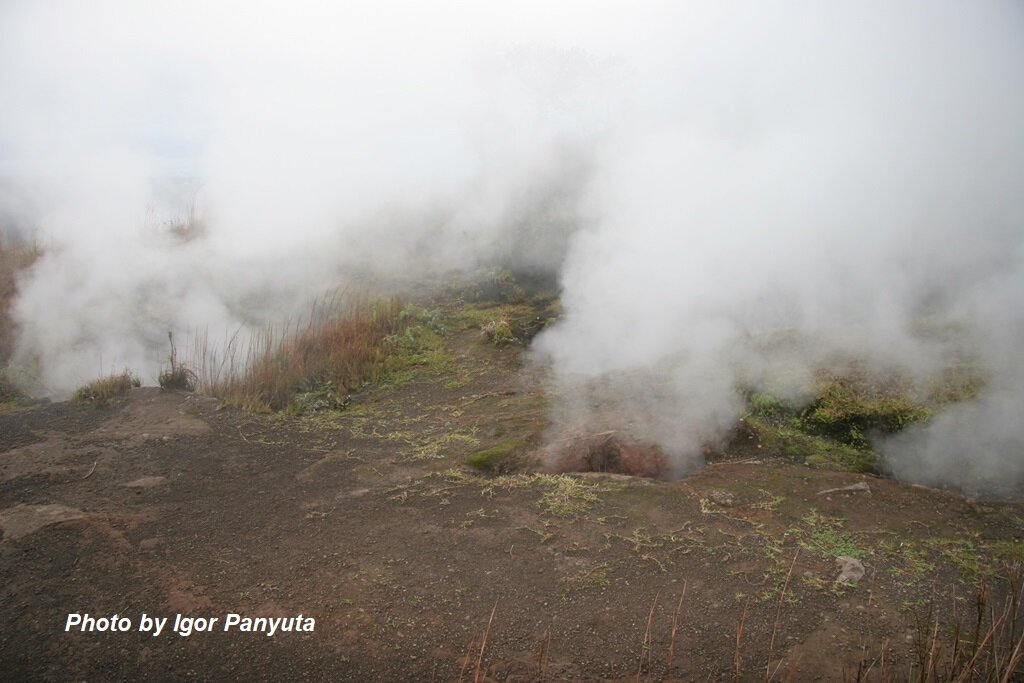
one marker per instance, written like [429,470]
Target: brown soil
[608,453]
[369,522]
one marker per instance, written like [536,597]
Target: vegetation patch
[845,406]
[1008,551]
[177,375]
[343,346]
[107,389]
[442,446]
[849,407]
[498,333]
[587,579]
[964,554]
[497,458]
[825,537]
[502,324]
[817,451]
[566,496]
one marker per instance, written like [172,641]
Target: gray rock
[852,488]
[850,569]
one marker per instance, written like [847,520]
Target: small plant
[104,391]
[825,537]
[318,395]
[498,332]
[587,579]
[567,497]
[177,376]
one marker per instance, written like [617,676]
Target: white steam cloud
[699,173]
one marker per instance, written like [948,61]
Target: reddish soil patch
[610,454]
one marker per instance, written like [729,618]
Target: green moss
[498,458]
[810,449]
[846,408]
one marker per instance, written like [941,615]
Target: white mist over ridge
[381,137]
[841,174]
[700,174]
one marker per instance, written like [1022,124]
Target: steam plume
[700,174]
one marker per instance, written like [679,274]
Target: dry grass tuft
[107,389]
[310,365]
[177,375]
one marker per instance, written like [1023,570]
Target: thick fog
[700,175]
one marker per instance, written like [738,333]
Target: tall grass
[984,646]
[338,348]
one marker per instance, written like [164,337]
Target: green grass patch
[1008,551]
[845,406]
[964,554]
[910,560]
[848,407]
[824,536]
[502,324]
[418,353]
[811,449]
